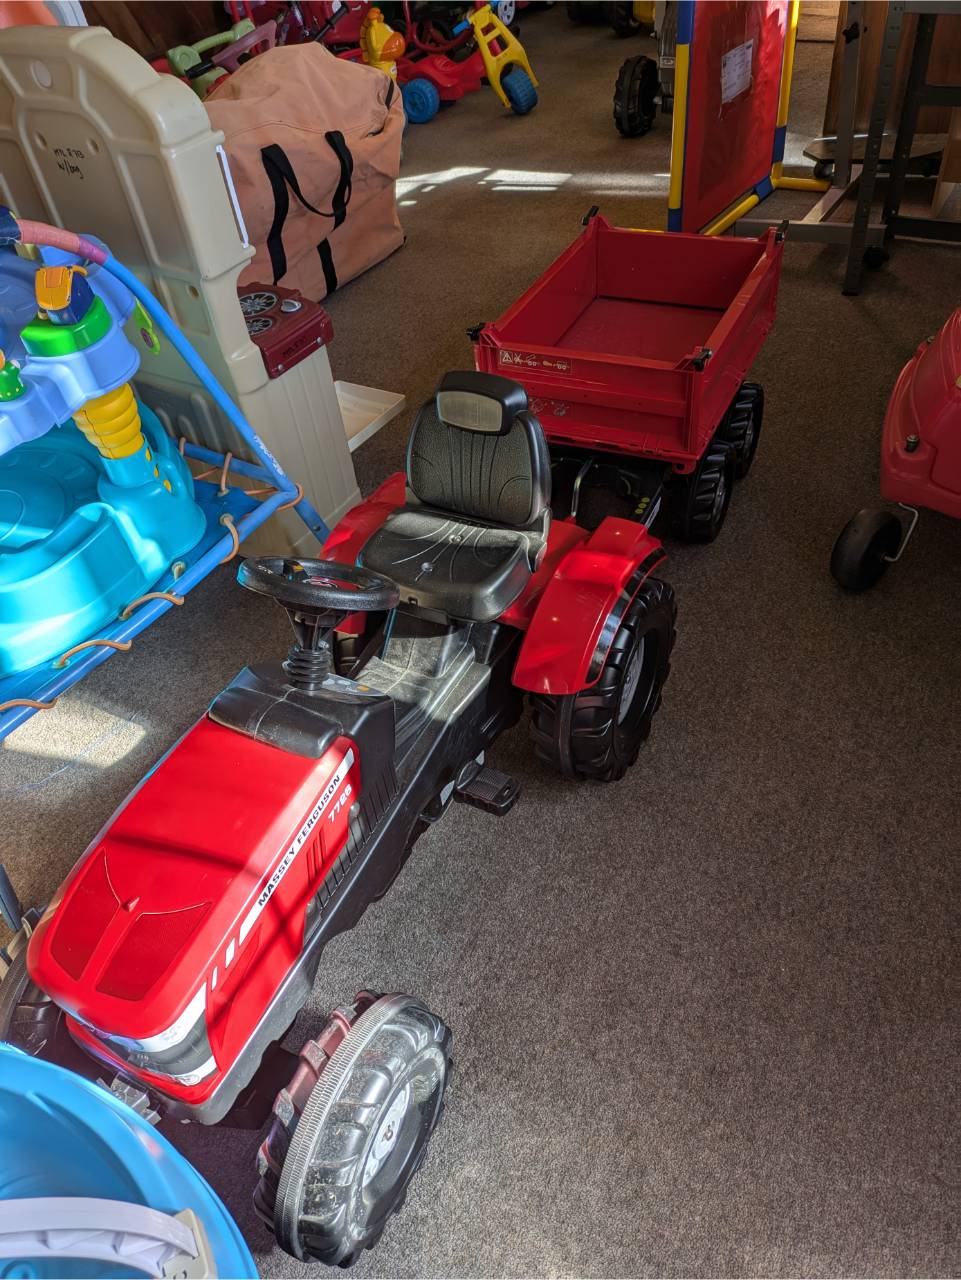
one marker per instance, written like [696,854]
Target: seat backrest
[475,451]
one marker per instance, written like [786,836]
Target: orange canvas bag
[314,148]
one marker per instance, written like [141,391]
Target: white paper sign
[736,70]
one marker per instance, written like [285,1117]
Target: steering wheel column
[317,595]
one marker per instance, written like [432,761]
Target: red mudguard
[569,637]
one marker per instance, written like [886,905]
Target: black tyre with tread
[740,428]
[317,1185]
[30,1020]
[702,498]
[634,96]
[597,733]
[859,558]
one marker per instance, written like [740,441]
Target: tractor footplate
[490,790]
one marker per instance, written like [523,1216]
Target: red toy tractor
[180,949]
[920,460]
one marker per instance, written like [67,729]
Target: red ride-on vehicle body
[633,347]
[182,946]
[920,460]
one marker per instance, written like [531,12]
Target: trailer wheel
[860,555]
[704,496]
[740,428]
[597,733]
[634,96]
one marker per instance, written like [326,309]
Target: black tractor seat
[479,485]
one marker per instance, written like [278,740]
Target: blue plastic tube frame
[269,470]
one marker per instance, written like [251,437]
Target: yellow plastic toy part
[380,44]
[488,30]
[54,287]
[644,12]
[112,423]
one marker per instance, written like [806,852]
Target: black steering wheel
[318,586]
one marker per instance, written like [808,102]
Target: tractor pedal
[490,790]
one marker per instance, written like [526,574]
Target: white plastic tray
[366,410]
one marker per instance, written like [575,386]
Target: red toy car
[633,346]
[186,939]
[920,460]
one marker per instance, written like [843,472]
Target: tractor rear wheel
[597,733]
[352,1128]
[634,96]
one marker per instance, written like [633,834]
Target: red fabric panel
[729,145]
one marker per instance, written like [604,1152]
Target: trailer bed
[626,326]
[636,342]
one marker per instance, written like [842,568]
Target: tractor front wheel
[352,1127]
[864,548]
[597,733]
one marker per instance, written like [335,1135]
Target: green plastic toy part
[42,338]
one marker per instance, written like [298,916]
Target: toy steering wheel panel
[318,585]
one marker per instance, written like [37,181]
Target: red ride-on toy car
[633,347]
[920,460]
[186,939]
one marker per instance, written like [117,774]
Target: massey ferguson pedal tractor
[179,951]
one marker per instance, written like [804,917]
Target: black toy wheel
[860,555]
[621,19]
[340,1155]
[634,96]
[740,429]
[29,1019]
[597,733]
[824,170]
[875,256]
[704,496]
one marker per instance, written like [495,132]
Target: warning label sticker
[528,360]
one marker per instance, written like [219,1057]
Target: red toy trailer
[920,460]
[633,347]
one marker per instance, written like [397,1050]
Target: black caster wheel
[740,428]
[861,553]
[352,1128]
[597,733]
[875,256]
[635,95]
[704,496]
[824,170]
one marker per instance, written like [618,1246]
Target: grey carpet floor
[706,1018]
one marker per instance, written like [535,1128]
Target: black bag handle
[281,176]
